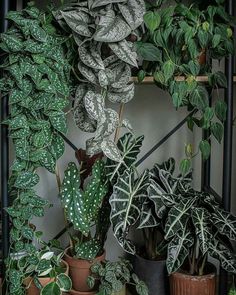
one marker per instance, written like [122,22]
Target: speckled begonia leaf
[20,133]
[26,180]
[16,96]
[91,57]
[73,200]
[122,95]
[22,148]
[95,190]
[87,250]
[18,122]
[123,50]
[112,28]
[37,32]
[133,12]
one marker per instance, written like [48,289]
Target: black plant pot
[153,273]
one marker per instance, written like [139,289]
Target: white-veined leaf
[124,50]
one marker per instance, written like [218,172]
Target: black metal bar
[5,6]
[164,139]
[227,156]
[68,142]
[211,191]
[63,231]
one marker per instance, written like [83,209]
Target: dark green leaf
[220,110]
[148,51]
[217,130]
[205,149]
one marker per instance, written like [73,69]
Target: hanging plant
[179,45]
[36,75]
[102,31]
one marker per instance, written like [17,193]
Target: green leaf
[185,166]
[168,69]
[27,233]
[51,289]
[217,130]
[177,100]
[141,75]
[88,250]
[220,110]
[37,32]
[152,20]
[194,67]
[203,38]
[12,42]
[148,51]
[218,79]
[26,180]
[64,282]
[225,223]
[58,121]
[199,97]
[207,117]
[216,40]
[205,149]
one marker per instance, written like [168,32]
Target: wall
[152,114]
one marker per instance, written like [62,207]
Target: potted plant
[114,277]
[172,50]
[195,228]
[87,208]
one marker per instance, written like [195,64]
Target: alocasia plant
[36,78]
[102,32]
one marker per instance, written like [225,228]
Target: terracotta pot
[31,287]
[185,284]
[153,273]
[79,270]
[73,292]
[202,57]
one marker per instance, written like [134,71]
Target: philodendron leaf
[124,51]
[128,194]
[129,147]
[225,223]
[201,219]
[112,28]
[178,217]
[73,200]
[51,289]
[199,97]
[133,12]
[64,282]
[226,257]
[148,51]
[178,249]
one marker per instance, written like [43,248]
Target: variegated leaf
[77,21]
[87,250]
[88,73]
[94,104]
[178,217]
[107,124]
[103,79]
[147,217]
[122,95]
[201,220]
[129,148]
[91,57]
[178,250]
[98,3]
[73,200]
[82,120]
[126,124]
[124,50]
[111,151]
[128,195]
[111,28]
[93,146]
[118,74]
[225,223]
[226,257]
[133,12]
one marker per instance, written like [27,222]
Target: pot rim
[187,275]
[72,257]
[82,292]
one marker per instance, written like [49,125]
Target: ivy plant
[114,276]
[103,31]
[36,74]
[178,39]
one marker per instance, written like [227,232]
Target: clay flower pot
[185,284]
[79,270]
[73,292]
[31,287]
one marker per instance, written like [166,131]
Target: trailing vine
[103,31]
[36,78]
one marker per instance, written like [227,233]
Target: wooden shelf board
[149,80]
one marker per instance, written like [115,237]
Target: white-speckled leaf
[118,74]
[110,149]
[97,3]
[133,12]
[82,119]
[107,124]
[76,22]
[94,104]
[123,50]
[103,79]
[88,73]
[112,28]
[93,146]
[91,57]
[110,60]
[126,124]
[122,95]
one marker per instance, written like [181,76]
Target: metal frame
[5,6]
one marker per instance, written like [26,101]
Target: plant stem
[121,111]
[201,269]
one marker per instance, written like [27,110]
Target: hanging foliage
[101,30]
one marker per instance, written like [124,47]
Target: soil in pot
[153,273]
[31,287]
[79,270]
[184,284]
